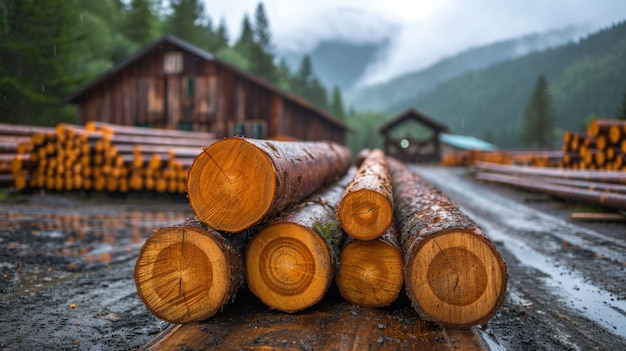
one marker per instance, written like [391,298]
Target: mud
[66,270]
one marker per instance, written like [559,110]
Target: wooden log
[603,198]
[371,272]
[454,275]
[291,262]
[237,183]
[187,273]
[117,129]
[366,210]
[22,130]
[591,175]
[603,126]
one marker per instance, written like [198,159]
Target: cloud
[420,31]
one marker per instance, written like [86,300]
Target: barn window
[190,86]
[251,129]
[173,62]
[185,126]
[240,129]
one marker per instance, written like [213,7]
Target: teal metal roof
[465,142]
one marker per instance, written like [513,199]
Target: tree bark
[371,272]
[454,275]
[366,210]
[291,262]
[237,183]
[187,273]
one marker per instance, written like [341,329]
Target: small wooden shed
[413,137]
[172,84]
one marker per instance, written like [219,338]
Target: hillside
[337,62]
[379,97]
[585,77]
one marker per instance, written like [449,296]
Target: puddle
[569,286]
[43,246]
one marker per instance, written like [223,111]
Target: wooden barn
[413,137]
[174,85]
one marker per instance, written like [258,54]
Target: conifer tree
[538,120]
[261,54]
[141,23]
[336,104]
[187,21]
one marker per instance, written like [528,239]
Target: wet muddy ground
[67,260]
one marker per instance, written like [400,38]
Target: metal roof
[465,142]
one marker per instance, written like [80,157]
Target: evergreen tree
[261,54]
[37,50]
[538,120]
[141,23]
[336,104]
[188,21]
[621,113]
[283,75]
[219,38]
[246,38]
[306,85]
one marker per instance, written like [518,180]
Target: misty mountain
[585,78]
[338,62]
[380,97]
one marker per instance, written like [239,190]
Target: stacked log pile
[602,147]
[16,143]
[106,157]
[272,214]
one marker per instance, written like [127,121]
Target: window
[173,62]
[251,129]
[190,86]
[185,126]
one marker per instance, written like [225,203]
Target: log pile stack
[106,157]
[271,215]
[602,147]
[16,143]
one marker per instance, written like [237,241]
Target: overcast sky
[421,31]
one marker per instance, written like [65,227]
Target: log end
[288,267]
[182,275]
[365,214]
[371,273]
[456,279]
[231,185]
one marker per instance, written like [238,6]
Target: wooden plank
[333,325]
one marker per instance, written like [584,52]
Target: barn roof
[417,116]
[82,92]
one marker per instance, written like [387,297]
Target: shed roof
[465,142]
[417,116]
[82,92]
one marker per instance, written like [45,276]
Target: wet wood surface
[333,324]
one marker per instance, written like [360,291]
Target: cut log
[187,273]
[371,272]
[366,208]
[237,183]
[590,175]
[454,275]
[291,262]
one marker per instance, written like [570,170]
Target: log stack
[602,147]
[538,158]
[279,210]
[16,144]
[107,157]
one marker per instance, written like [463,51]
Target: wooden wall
[204,96]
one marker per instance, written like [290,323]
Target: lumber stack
[539,158]
[107,157]
[602,147]
[274,214]
[598,187]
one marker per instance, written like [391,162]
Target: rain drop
[43,88]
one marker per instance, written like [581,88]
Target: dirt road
[66,267]
[566,279]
